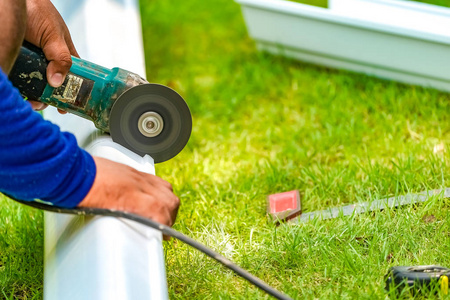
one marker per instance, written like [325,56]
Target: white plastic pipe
[103,257]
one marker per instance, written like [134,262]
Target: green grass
[321,3]
[445,3]
[21,251]
[263,125]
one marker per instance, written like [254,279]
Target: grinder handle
[29,73]
[85,79]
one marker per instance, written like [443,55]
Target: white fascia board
[103,257]
[361,39]
[432,21]
[352,17]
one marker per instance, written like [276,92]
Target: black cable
[86,211]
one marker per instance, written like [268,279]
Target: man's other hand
[120,187]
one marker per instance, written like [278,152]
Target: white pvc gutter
[400,40]
[103,257]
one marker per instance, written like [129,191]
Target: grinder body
[143,117]
[89,90]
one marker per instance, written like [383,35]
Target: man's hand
[13,21]
[47,30]
[120,187]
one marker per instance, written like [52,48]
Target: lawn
[263,125]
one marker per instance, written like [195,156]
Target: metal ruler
[375,205]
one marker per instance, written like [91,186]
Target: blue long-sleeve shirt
[37,160]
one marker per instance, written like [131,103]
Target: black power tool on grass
[418,279]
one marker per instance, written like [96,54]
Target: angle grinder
[144,117]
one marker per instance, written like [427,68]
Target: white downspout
[103,257]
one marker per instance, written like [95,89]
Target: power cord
[86,211]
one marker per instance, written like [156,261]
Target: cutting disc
[151,119]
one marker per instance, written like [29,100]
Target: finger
[171,204]
[57,53]
[174,211]
[167,202]
[164,212]
[35,105]
[158,181]
[63,112]
[70,44]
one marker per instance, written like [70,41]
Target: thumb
[60,61]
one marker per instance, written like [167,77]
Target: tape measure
[419,279]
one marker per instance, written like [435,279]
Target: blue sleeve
[37,160]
